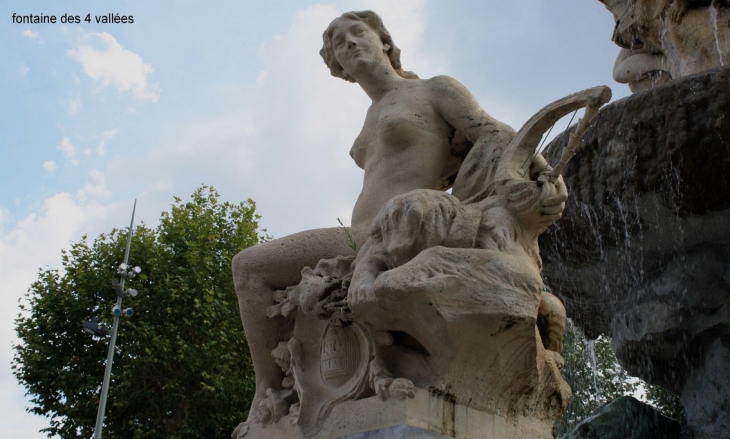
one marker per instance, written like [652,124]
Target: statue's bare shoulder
[452,91]
[442,83]
[456,104]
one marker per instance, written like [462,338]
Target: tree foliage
[666,402]
[597,378]
[181,367]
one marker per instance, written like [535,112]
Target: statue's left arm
[537,202]
[461,110]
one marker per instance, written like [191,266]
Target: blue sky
[233,95]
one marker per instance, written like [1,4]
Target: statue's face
[357,46]
[699,42]
[686,38]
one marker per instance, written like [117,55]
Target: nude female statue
[409,141]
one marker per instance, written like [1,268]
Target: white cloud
[113,65]
[68,150]
[298,125]
[105,137]
[73,106]
[30,34]
[404,19]
[94,189]
[49,166]
[306,121]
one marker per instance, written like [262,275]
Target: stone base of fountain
[427,416]
[643,250]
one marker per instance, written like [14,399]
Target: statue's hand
[539,202]
[550,202]
[552,199]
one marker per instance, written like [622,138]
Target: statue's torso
[403,145]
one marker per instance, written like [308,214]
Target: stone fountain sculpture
[662,40]
[648,220]
[438,326]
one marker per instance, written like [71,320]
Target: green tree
[597,378]
[181,366]
[594,375]
[666,402]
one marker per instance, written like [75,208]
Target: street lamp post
[92,327]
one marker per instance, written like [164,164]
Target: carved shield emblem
[340,357]
[331,365]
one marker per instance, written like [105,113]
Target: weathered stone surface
[444,294]
[463,323]
[402,431]
[428,415]
[626,418]
[663,40]
[415,136]
[643,250]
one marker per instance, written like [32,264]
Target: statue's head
[375,23]
[668,39]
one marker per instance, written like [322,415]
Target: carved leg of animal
[385,386]
[363,278]
[408,224]
[264,268]
[551,321]
[678,9]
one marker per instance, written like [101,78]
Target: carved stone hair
[374,21]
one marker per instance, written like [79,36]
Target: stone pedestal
[424,416]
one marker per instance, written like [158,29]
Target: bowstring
[539,148]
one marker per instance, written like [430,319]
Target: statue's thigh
[279,263]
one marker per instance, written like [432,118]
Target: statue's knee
[244,267]
[551,321]
[239,262]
